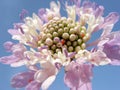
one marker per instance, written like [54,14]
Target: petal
[41,76]
[34,85]
[112,18]
[45,85]
[86,86]
[8,45]
[22,79]
[18,64]
[14,32]
[72,76]
[8,59]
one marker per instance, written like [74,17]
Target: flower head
[52,41]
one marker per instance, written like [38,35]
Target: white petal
[18,64]
[48,82]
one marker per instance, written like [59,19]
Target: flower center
[64,32]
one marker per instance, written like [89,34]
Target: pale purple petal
[22,79]
[112,18]
[99,11]
[23,14]
[86,86]
[112,47]
[112,51]
[77,75]
[14,32]
[8,45]
[34,85]
[9,59]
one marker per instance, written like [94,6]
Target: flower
[48,41]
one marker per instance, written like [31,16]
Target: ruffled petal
[22,79]
[45,85]
[34,85]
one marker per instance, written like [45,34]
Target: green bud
[72,37]
[77,48]
[70,48]
[64,23]
[65,36]
[86,37]
[49,35]
[49,42]
[79,41]
[72,31]
[58,50]
[44,36]
[52,30]
[68,43]
[83,45]
[49,26]
[82,33]
[56,28]
[60,31]
[74,43]
[63,19]
[69,20]
[66,29]
[83,28]
[55,34]
[53,47]
[61,25]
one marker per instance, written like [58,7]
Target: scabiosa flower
[53,41]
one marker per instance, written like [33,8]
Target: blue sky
[105,77]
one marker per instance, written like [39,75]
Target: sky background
[105,77]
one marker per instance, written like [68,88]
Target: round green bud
[58,50]
[52,30]
[56,28]
[72,31]
[64,23]
[44,36]
[79,41]
[74,43]
[63,18]
[65,36]
[68,43]
[61,25]
[66,29]
[53,47]
[83,28]
[60,31]
[83,45]
[72,37]
[69,20]
[49,35]
[55,34]
[86,37]
[49,42]
[77,48]
[82,33]
[70,48]
[49,26]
